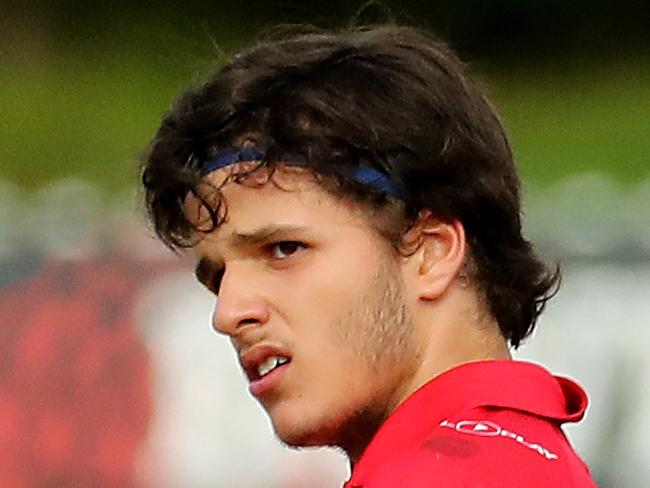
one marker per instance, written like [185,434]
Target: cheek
[338,348]
[315,304]
[343,320]
[329,366]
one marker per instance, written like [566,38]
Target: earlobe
[441,256]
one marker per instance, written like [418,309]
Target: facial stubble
[380,331]
[377,333]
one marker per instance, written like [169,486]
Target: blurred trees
[84,84]
[482,27]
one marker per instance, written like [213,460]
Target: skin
[299,269]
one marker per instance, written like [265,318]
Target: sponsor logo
[486,428]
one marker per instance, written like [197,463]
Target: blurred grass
[88,117]
[568,119]
[88,112]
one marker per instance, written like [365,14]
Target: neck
[450,343]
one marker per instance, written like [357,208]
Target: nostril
[248,322]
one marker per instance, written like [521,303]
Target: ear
[439,257]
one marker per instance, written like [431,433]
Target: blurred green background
[84,84]
[83,88]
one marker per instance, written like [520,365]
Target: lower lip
[268,382]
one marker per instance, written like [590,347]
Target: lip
[266,384]
[253,357]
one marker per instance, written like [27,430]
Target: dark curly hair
[391,98]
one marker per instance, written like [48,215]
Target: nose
[238,304]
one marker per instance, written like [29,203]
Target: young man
[352,202]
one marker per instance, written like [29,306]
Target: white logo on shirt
[486,428]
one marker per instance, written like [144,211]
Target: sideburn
[378,326]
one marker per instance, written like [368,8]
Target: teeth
[270,364]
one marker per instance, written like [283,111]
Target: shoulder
[486,448]
[517,448]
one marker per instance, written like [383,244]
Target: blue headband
[362,174]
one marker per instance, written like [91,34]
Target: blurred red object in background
[75,376]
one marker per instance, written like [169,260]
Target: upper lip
[252,357]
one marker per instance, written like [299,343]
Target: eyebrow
[265,234]
[207,266]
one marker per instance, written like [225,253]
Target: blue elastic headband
[363,174]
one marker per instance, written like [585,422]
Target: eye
[215,281]
[210,276]
[285,249]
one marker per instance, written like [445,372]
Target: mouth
[264,366]
[269,364]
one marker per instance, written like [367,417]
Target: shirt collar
[507,384]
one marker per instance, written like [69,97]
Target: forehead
[247,200]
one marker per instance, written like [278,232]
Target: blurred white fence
[205,430]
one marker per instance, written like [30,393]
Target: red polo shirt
[486,424]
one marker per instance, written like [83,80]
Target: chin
[299,430]
[301,435]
